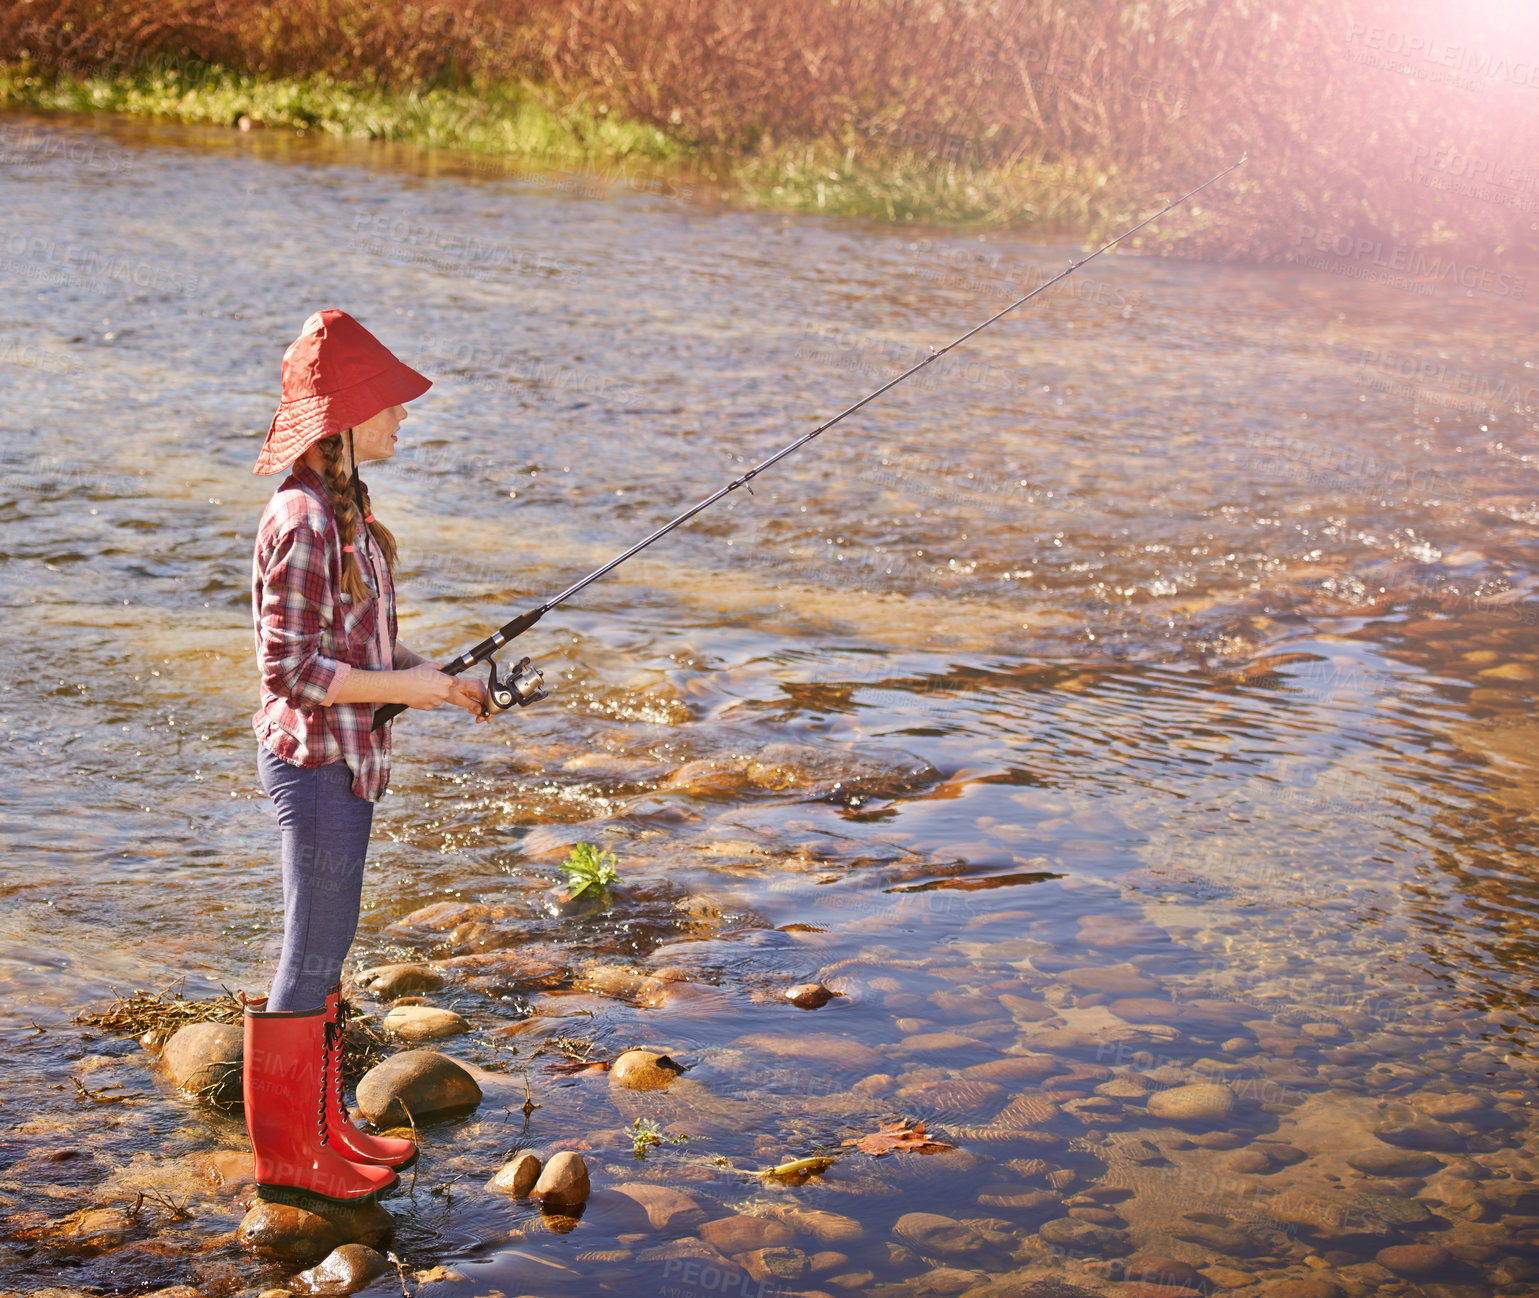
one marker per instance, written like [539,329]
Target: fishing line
[523,684]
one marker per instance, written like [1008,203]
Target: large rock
[938,1236]
[564,1181]
[1200,1102]
[388,981]
[666,1208]
[1414,1259]
[1388,1161]
[824,1226]
[424,1023]
[1084,1237]
[414,1085]
[346,1269]
[642,1070]
[284,1233]
[205,1059]
[744,1233]
[517,1176]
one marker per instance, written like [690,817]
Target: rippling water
[1162,663]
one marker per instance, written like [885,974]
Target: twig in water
[400,1273]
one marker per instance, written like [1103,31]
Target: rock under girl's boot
[284,1083]
[341,1135]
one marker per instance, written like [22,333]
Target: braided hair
[350,503]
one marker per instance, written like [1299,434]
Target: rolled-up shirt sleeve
[293,586]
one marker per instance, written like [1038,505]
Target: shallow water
[1183,628]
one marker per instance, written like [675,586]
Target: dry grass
[1153,94]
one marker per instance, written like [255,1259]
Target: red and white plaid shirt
[310,634]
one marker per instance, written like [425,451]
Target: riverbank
[524,127]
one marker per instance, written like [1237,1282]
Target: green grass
[510,121]
[517,123]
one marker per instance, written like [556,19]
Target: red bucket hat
[336,374]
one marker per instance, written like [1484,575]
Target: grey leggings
[325,828]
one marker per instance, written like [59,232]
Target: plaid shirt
[310,635]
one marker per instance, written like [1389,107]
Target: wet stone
[389,981]
[413,1085]
[1414,1260]
[1388,1161]
[205,1059]
[517,1176]
[935,1235]
[1153,1268]
[563,1183]
[1200,1102]
[345,1270]
[1303,1287]
[767,1264]
[744,1233]
[424,1023]
[1084,1236]
[1432,1136]
[643,1070]
[1115,980]
[285,1233]
[809,996]
[1221,1239]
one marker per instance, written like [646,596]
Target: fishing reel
[522,685]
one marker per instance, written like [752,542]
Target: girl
[323,601]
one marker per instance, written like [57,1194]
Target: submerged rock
[413,1085]
[666,1208]
[346,1269]
[935,1235]
[1414,1259]
[1200,1102]
[205,1059]
[745,1232]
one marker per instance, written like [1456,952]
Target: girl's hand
[424,686]
[469,694]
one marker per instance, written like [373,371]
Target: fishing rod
[523,684]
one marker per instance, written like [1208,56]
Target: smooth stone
[1221,1239]
[95,1230]
[413,1085]
[424,1023]
[1013,1068]
[388,981]
[1446,1107]
[1114,980]
[1422,1135]
[765,1264]
[745,1232]
[809,996]
[824,1226]
[1394,1162]
[827,1260]
[517,1176]
[1413,1259]
[665,1208]
[1155,1269]
[1217,1140]
[1069,1232]
[1251,1162]
[933,1234]
[1311,1287]
[1199,1102]
[285,1233]
[563,1182]
[205,1059]
[643,1070]
[1025,1009]
[938,1042]
[346,1269]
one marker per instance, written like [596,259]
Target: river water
[1141,697]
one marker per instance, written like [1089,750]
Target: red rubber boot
[341,1135]
[284,1078]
